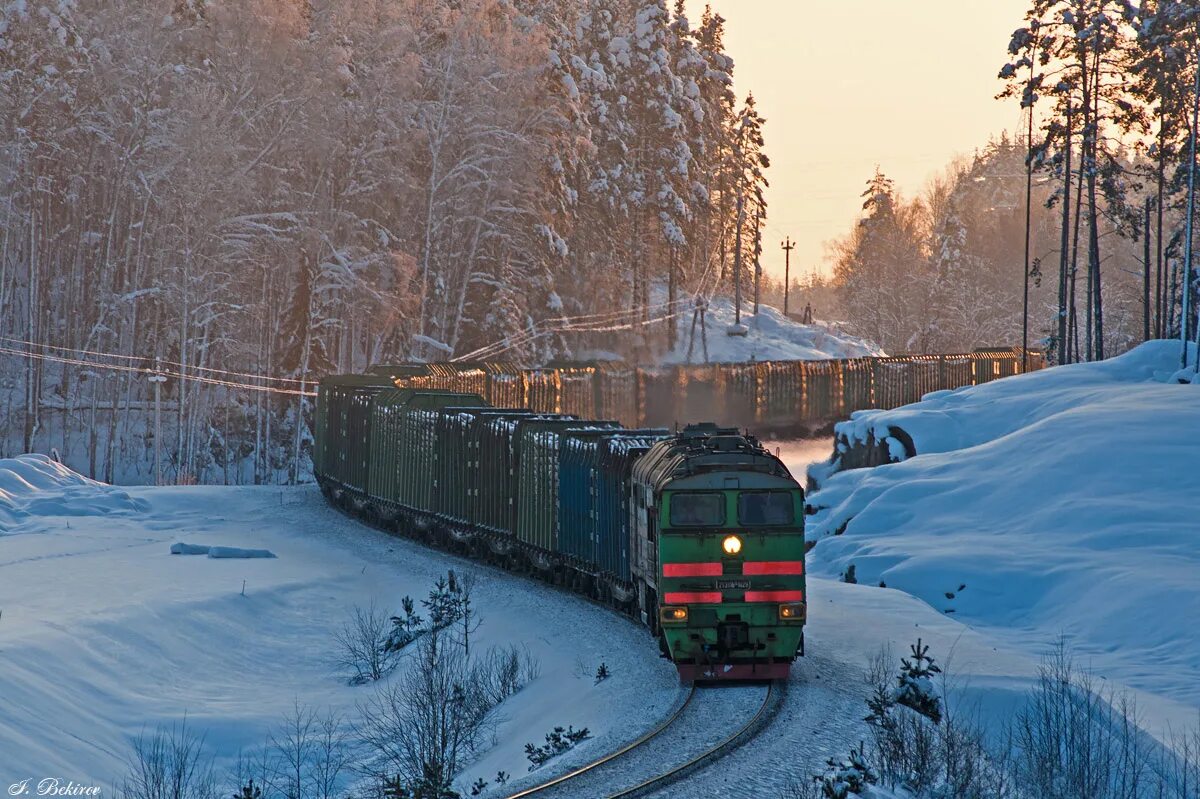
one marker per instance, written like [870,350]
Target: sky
[848,84]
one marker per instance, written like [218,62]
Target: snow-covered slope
[105,633]
[771,336]
[1062,502]
[944,421]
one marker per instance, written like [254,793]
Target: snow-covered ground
[770,336]
[1075,521]
[1064,502]
[104,633]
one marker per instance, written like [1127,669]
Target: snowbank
[1059,502]
[771,336]
[944,421]
[36,486]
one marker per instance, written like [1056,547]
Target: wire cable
[148,360]
[152,372]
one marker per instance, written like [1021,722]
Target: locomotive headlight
[732,545]
[673,614]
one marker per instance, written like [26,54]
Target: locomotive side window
[765,508]
[697,510]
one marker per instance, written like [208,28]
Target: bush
[170,764]
[558,741]
[363,648]
[418,731]
[848,777]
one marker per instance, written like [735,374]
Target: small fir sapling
[916,689]
[602,673]
[849,777]
[558,741]
[406,628]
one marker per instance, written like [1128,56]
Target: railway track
[568,784]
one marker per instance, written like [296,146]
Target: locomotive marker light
[675,614]
[792,612]
[732,545]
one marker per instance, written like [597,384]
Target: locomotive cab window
[697,510]
[765,508]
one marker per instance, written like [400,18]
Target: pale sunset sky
[848,84]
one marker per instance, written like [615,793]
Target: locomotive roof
[707,449]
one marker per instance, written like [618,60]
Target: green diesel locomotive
[699,534]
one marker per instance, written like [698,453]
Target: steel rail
[652,734]
[712,753]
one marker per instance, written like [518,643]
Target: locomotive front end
[720,547]
[731,582]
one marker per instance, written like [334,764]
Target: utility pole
[157,379]
[757,262]
[787,246]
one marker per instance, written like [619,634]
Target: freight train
[697,533]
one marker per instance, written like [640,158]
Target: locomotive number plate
[733,584]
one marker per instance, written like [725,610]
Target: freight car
[697,534]
[783,396]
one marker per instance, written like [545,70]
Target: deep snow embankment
[33,486]
[1062,502]
[770,336]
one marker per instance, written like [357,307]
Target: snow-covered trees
[882,271]
[1103,75]
[1109,87]
[292,188]
[943,272]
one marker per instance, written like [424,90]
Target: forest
[205,206]
[1110,106]
[217,191]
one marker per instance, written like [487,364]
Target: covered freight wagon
[593,495]
[404,465]
[343,440]
[537,444]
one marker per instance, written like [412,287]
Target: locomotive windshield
[765,508]
[697,510]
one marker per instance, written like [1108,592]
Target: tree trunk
[1094,216]
[1064,247]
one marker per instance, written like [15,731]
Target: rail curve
[643,739]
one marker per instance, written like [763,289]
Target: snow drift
[182,548]
[34,485]
[944,421]
[771,336]
[1058,502]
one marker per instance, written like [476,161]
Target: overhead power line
[150,371]
[148,361]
